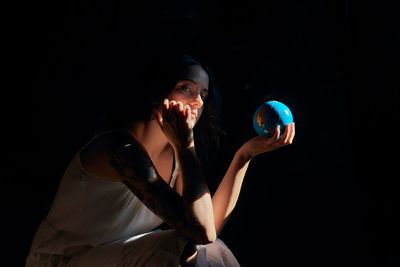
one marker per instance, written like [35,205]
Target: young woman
[143,171]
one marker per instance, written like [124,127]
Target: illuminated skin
[185,102]
[142,156]
[226,196]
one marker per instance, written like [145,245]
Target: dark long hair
[154,85]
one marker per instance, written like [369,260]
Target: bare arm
[225,198]
[137,172]
[175,121]
[195,193]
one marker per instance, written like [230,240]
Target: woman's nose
[197,101]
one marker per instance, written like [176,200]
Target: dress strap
[174,173]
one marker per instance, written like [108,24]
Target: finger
[172,103]
[175,106]
[288,132]
[177,109]
[277,133]
[188,112]
[171,109]
[166,103]
[285,135]
[292,133]
[281,140]
[180,106]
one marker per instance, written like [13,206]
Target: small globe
[269,115]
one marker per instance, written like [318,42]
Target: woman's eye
[186,88]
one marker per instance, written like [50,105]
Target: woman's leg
[218,254]
[215,254]
[162,248]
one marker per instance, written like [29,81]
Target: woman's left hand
[262,144]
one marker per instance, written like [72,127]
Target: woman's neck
[150,135]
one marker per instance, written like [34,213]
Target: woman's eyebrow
[190,80]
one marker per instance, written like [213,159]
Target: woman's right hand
[176,123]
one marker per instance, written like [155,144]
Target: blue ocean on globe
[269,115]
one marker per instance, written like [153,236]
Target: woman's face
[192,90]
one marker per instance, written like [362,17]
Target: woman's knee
[168,240]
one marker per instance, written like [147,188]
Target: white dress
[97,222]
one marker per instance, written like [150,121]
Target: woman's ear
[158,117]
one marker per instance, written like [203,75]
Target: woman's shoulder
[95,156]
[108,140]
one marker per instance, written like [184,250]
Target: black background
[330,199]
